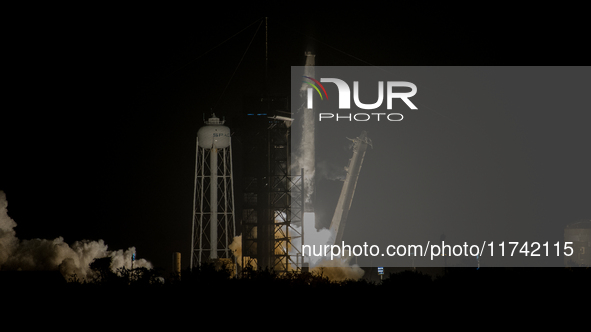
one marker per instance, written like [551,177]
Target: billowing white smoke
[314,237]
[329,171]
[8,240]
[44,255]
[337,269]
[236,247]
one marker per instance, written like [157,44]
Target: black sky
[98,128]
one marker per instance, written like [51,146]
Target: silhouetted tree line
[262,283]
[208,276]
[140,295]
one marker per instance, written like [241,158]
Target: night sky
[98,136]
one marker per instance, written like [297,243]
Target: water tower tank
[214,132]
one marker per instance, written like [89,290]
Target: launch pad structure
[271,201]
[273,197]
[271,208]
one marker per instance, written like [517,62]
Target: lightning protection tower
[213,200]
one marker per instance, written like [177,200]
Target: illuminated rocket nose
[309,58]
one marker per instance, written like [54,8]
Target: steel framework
[273,203]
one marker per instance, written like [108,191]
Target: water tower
[213,199]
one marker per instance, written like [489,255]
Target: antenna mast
[266,86]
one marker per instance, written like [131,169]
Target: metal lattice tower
[286,201]
[272,210]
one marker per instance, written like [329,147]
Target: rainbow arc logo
[316,87]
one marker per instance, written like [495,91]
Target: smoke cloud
[330,171]
[56,255]
[306,153]
[236,247]
[337,269]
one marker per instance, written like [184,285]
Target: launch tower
[272,197]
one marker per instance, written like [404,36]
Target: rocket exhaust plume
[306,158]
[56,255]
[337,269]
[236,247]
[307,150]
